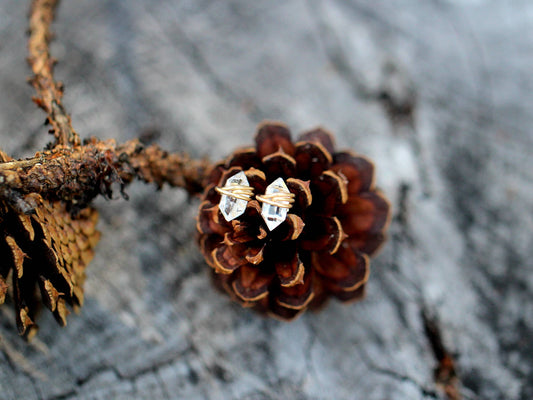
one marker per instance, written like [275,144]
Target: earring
[235,196]
[277,201]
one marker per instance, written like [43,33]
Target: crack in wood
[445,373]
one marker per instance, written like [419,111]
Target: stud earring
[277,201]
[236,194]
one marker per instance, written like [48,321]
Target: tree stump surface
[437,93]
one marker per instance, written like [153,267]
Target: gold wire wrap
[237,191]
[280,199]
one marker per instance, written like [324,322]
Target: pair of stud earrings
[237,192]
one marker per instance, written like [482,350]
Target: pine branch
[78,174]
[47,227]
[49,92]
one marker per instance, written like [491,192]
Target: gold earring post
[280,199]
[237,191]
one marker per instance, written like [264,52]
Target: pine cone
[321,249]
[48,249]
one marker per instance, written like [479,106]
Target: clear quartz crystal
[232,207]
[274,215]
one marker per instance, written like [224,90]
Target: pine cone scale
[3,289]
[367,213]
[295,226]
[358,171]
[320,136]
[25,220]
[246,158]
[322,234]
[344,271]
[251,284]
[302,191]
[279,164]
[17,256]
[271,137]
[24,302]
[49,294]
[312,159]
[225,261]
[297,297]
[290,272]
[332,188]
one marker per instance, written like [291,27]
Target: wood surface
[438,93]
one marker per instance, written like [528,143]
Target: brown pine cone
[49,250]
[321,249]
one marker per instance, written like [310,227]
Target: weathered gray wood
[438,93]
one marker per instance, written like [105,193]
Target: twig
[51,246]
[49,92]
[445,373]
[78,174]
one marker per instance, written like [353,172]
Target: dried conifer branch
[75,173]
[153,164]
[78,174]
[47,229]
[49,92]
[44,246]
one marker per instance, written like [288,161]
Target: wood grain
[437,93]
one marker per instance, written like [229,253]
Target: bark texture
[437,93]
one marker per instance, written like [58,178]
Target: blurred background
[438,93]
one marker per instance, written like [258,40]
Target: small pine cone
[49,250]
[338,219]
